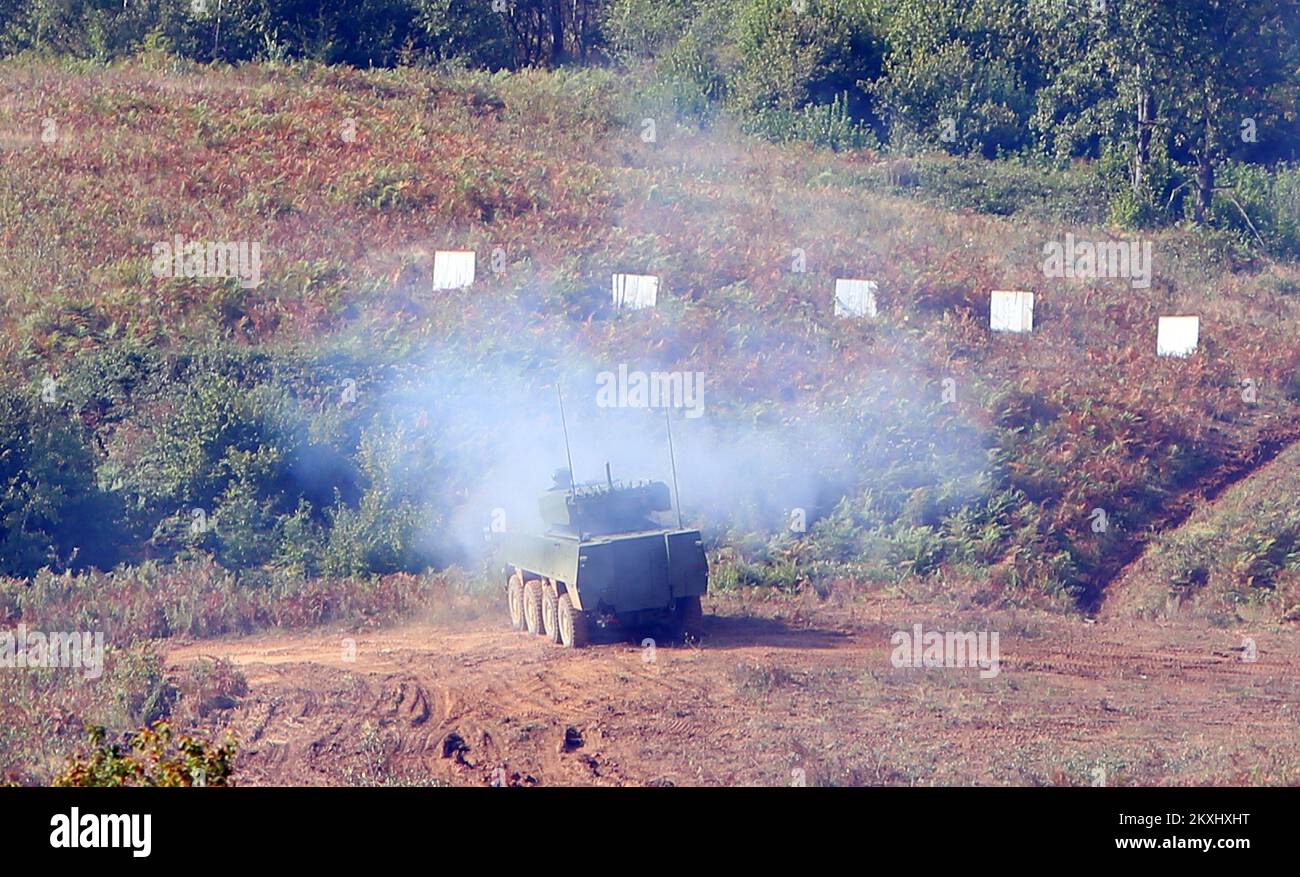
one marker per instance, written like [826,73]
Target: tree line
[1178,100]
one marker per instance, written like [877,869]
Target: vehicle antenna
[672,459]
[573,490]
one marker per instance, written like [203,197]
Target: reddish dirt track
[778,692]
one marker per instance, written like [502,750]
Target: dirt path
[777,693]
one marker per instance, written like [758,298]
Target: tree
[1219,67]
[790,57]
[960,74]
[1187,73]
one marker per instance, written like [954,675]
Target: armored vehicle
[604,561]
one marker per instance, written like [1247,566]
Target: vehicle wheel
[551,613]
[533,606]
[573,624]
[515,596]
[690,617]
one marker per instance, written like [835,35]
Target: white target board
[855,298]
[1011,311]
[635,291]
[1178,336]
[453,269]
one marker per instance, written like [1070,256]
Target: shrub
[829,125]
[915,551]
[1260,206]
[646,28]
[388,531]
[1013,186]
[958,76]
[787,59]
[222,463]
[153,756]
[52,512]
[688,84]
[144,692]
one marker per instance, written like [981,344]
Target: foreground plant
[153,756]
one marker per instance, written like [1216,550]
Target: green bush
[300,542]
[1150,206]
[227,454]
[1040,189]
[688,84]
[829,125]
[377,537]
[246,524]
[214,433]
[52,512]
[391,528]
[253,459]
[914,551]
[788,58]
[1260,206]
[153,757]
[646,28]
[959,76]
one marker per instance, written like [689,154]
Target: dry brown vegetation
[551,169]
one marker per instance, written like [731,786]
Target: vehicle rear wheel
[515,596]
[551,613]
[690,616]
[573,624]
[533,606]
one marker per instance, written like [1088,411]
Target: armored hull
[603,562]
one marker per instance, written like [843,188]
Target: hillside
[552,170]
[911,389]
[186,459]
[1241,541]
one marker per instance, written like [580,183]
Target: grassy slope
[553,170]
[1236,558]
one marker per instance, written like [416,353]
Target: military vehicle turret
[604,561]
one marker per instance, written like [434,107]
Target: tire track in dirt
[758,694]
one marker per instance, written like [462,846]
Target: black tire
[573,624]
[533,606]
[551,613]
[515,597]
[690,617]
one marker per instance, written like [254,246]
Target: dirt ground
[780,691]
